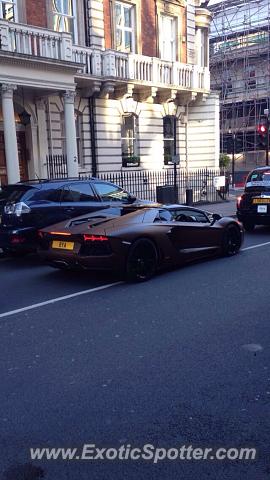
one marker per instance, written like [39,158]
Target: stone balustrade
[47,44]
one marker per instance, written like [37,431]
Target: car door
[79,198]
[193,235]
[45,206]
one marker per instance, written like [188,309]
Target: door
[193,235]
[78,199]
[22,154]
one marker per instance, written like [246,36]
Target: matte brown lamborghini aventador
[139,242]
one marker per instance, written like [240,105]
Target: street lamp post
[233,155]
[266,113]
[233,159]
[267,143]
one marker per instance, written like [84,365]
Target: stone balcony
[110,67]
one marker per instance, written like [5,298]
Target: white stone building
[112,85]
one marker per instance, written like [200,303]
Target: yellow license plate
[63,245]
[261,200]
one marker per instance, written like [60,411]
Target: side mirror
[215,218]
[131,198]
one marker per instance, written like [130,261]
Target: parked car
[139,243]
[28,206]
[253,207]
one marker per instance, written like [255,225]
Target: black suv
[253,207]
[26,207]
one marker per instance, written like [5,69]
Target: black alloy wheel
[142,260]
[232,240]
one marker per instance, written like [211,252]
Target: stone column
[43,146]
[70,129]
[11,147]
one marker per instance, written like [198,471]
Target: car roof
[40,183]
[260,168]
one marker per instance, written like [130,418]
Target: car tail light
[95,238]
[63,234]
[17,209]
[238,201]
[17,240]
[40,234]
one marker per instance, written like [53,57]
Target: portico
[29,85]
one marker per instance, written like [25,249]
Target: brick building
[111,84]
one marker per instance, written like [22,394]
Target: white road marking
[91,290]
[255,246]
[58,299]
[253,347]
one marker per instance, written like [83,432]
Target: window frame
[174,47]
[172,139]
[74,18]
[14,3]
[251,78]
[134,159]
[134,24]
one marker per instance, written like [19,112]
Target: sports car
[138,242]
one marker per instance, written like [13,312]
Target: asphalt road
[167,363]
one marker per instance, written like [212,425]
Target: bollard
[189,196]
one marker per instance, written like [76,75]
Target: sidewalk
[227,208]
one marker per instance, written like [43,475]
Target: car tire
[142,261]
[248,226]
[231,241]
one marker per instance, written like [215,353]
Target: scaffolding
[240,71]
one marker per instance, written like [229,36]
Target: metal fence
[56,166]
[143,183]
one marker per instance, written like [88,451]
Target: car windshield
[258,180]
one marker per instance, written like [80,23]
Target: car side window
[163,216]
[111,193]
[44,195]
[78,192]
[189,215]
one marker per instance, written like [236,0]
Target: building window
[129,141]
[169,138]
[204,48]
[227,83]
[251,82]
[168,38]
[64,16]
[124,18]
[8,10]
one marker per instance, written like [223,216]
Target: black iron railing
[144,183]
[56,166]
